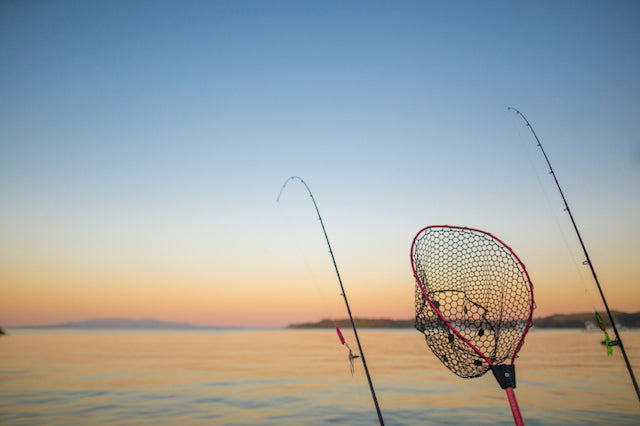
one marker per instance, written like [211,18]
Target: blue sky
[143,145]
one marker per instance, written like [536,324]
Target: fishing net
[474,299]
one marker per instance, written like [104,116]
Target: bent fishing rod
[587,261]
[344,295]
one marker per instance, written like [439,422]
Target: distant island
[588,319]
[360,323]
[580,320]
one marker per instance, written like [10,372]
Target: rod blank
[586,254]
[344,295]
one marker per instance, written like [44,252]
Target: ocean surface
[300,377]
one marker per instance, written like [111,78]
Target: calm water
[283,377]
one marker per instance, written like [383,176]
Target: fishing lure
[351,355]
[607,340]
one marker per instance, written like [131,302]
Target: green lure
[607,340]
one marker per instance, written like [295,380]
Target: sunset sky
[143,145]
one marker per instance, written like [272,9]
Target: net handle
[513,402]
[437,311]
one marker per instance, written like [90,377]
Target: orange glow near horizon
[39,298]
[275,290]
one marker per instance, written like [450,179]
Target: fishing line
[570,250]
[574,259]
[344,295]
[321,296]
[618,339]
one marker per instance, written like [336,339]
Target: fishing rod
[618,339]
[344,295]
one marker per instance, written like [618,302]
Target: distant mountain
[124,323]
[622,319]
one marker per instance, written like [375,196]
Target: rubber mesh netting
[479,288]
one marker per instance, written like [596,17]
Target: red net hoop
[474,298]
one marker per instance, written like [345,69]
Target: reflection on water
[299,376]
